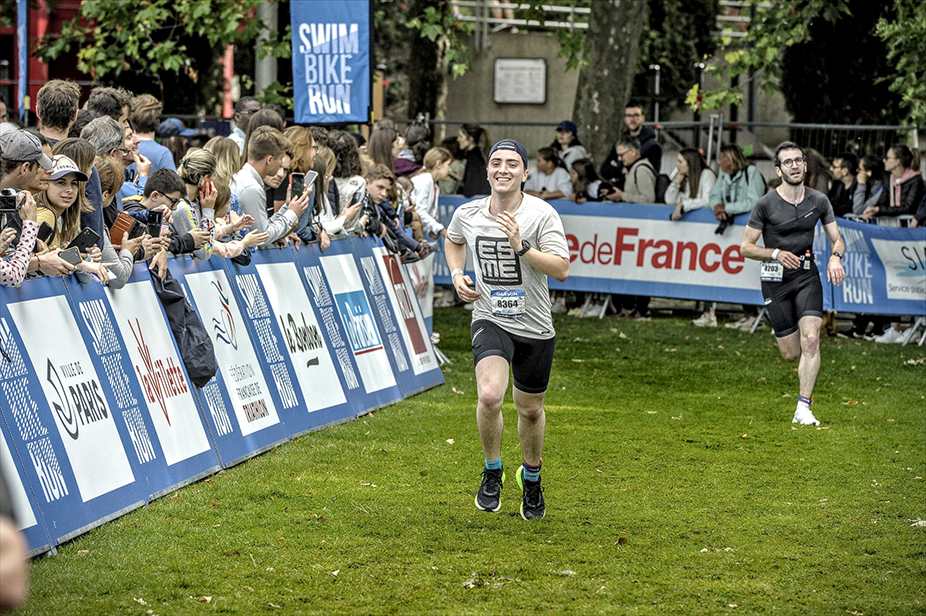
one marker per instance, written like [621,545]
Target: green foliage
[675,485]
[150,38]
[436,24]
[905,37]
[775,27]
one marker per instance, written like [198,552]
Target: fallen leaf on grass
[457,391]
[580,340]
[83,552]
[450,441]
[249,588]
[850,403]
[705,550]
[622,335]
[720,346]
[621,540]
[273,605]
[139,601]
[205,599]
[854,613]
[336,572]
[370,485]
[915,362]
[565,572]
[670,350]
[918,522]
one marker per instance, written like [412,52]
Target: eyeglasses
[791,162]
[620,154]
[249,112]
[173,202]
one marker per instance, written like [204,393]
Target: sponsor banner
[348,304]
[636,249]
[238,398]
[147,381]
[885,270]
[404,311]
[355,311]
[332,46]
[304,340]
[320,297]
[421,279]
[270,340]
[61,424]
[27,518]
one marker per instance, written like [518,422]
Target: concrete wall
[470,97]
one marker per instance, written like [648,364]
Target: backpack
[662,184]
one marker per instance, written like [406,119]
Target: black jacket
[612,170]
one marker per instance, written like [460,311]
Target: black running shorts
[531,359]
[789,300]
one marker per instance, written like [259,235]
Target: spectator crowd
[95,189]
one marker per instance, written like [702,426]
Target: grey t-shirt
[514,295]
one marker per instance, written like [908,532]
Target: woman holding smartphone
[60,206]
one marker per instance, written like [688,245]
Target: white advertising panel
[159,371]
[237,360]
[357,316]
[311,359]
[74,394]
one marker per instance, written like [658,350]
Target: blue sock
[532,473]
[494,465]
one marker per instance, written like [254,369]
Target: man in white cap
[517,240]
[22,159]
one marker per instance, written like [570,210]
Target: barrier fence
[636,250]
[99,415]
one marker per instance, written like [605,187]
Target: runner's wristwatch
[837,254]
[525,246]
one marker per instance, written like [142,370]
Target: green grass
[675,484]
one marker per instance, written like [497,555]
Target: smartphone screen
[298,182]
[154,222]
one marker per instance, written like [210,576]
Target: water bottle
[807,258]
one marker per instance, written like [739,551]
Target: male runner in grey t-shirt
[786,219]
[517,241]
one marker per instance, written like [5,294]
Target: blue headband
[512,145]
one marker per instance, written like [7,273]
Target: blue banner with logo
[636,250]
[332,48]
[398,315]
[303,338]
[336,289]
[28,519]
[61,424]
[146,384]
[244,414]
[885,270]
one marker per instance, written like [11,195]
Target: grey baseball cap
[23,145]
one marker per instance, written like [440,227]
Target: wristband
[837,254]
[455,272]
[775,254]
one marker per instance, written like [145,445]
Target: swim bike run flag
[332,46]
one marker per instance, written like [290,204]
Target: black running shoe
[488,498]
[532,505]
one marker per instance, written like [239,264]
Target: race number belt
[508,303]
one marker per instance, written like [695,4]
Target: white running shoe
[805,418]
[736,324]
[747,324]
[707,319]
[890,336]
[559,306]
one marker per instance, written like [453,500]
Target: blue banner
[636,250]
[22,41]
[398,316]
[885,270]
[238,403]
[146,384]
[61,424]
[332,48]
[335,287]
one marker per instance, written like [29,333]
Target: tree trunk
[612,47]
[427,66]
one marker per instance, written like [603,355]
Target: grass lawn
[674,479]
